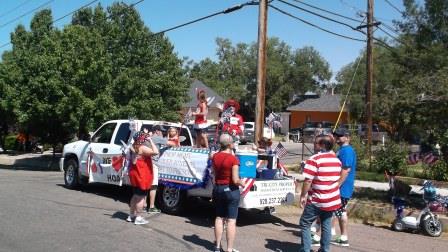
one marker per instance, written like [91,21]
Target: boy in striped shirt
[320,192]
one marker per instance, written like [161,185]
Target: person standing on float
[200,121]
[232,122]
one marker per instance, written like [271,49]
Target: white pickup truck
[106,144]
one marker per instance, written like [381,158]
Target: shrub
[391,158]
[360,148]
[10,142]
[438,171]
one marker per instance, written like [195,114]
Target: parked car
[309,129]
[249,132]
[379,134]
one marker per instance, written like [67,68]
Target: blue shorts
[343,209]
[227,200]
[139,192]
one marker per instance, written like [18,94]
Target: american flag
[248,183]
[429,159]
[280,150]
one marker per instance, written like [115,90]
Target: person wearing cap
[347,156]
[140,174]
[226,193]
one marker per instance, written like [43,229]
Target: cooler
[248,164]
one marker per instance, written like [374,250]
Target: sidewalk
[377,185]
[30,161]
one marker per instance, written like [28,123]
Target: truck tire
[171,200]
[71,178]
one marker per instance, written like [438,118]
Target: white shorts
[155,174]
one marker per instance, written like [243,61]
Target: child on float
[173,137]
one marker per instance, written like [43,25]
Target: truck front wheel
[71,179]
[171,199]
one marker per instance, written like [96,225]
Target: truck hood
[74,147]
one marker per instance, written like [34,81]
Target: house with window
[318,108]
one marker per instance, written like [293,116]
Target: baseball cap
[342,132]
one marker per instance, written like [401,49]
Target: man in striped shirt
[320,192]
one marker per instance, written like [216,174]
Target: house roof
[199,85]
[325,103]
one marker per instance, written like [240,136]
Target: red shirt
[324,171]
[201,119]
[222,165]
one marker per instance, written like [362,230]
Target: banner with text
[184,167]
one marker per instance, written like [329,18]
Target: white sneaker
[140,221]
[130,218]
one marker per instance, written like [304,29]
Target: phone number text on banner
[184,167]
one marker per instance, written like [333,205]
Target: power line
[358,11]
[226,11]
[319,15]
[13,9]
[390,35]
[390,28]
[327,11]
[393,6]
[70,13]
[314,25]
[26,13]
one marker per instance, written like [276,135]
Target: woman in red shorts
[226,193]
[140,175]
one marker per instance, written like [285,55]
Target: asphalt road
[37,213]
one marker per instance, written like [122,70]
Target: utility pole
[370,25]
[261,68]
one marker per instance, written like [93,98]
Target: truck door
[103,157]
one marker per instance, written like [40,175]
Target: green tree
[411,85]
[105,65]
[289,72]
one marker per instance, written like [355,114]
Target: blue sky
[197,41]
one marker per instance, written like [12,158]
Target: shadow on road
[195,239]
[122,194]
[199,212]
[202,213]
[120,215]
[275,245]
